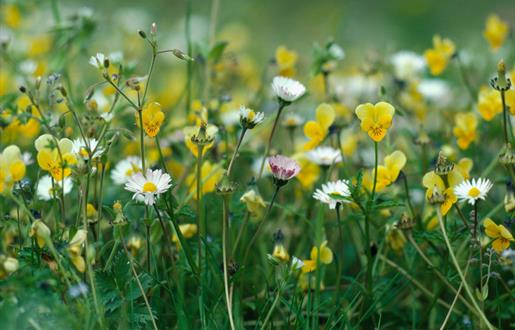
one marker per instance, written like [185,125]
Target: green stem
[225,225]
[282,105]
[272,308]
[231,163]
[460,273]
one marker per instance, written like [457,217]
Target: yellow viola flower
[464,166]
[395,238]
[389,172]
[488,103]
[39,45]
[75,250]
[56,158]
[465,129]
[91,211]
[502,236]
[12,168]
[188,230]
[11,16]
[210,176]
[496,31]
[375,119]
[254,202]
[41,231]
[309,171]
[191,131]
[152,118]
[281,253]
[435,185]
[438,57]
[349,143]
[317,130]
[285,60]
[326,257]
[134,244]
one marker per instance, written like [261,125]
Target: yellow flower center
[149,187]
[474,192]
[251,115]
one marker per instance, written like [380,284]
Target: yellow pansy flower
[376,119]
[12,16]
[496,31]
[326,257]
[134,244]
[254,202]
[438,57]
[502,236]
[152,118]
[281,253]
[388,173]
[41,231]
[53,157]
[435,184]
[75,250]
[489,103]
[349,143]
[188,230]
[309,171]
[191,131]
[39,45]
[210,176]
[317,130]
[465,129]
[12,168]
[464,166]
[395,238]
[286,60]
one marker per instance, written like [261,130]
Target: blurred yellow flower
[496,31]
[464,166]
[188,230]
[254,202]
[489,103]
[375,119]
[55,156]
[75,250]
[309,171]
[395,238]
[349,143]
[210,176]
[317,130]
[12,168]
[281,253]
[41,231]
[286,60]
[438,57]
[502,236]
[465,129]
[11,16]
[152,119]
[191,131]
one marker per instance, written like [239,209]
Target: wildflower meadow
[257,165]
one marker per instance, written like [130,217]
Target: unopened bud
[181,55]
[153,29]
[142,34]
[23,89]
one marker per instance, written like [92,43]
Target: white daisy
[125,169]
[80,148]
[97,61]
[333,189]
[148,187]
[287,89]
[407,65]
[325,156]
[472,190]
[249,118]
[46,191]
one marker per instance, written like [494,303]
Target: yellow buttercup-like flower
[55,156]
[438,57]
[496,31]
[317,130]
[465,129]
[12,168]
[387,173]
[152,119]
[286,60]
[502,236]
[435,185]
[376,119]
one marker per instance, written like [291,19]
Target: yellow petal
[433,180]
[395,163]
[500,245]
[491,228]
[325,115]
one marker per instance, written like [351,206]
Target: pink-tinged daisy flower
[148,187]
[287,89]
[283,168]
